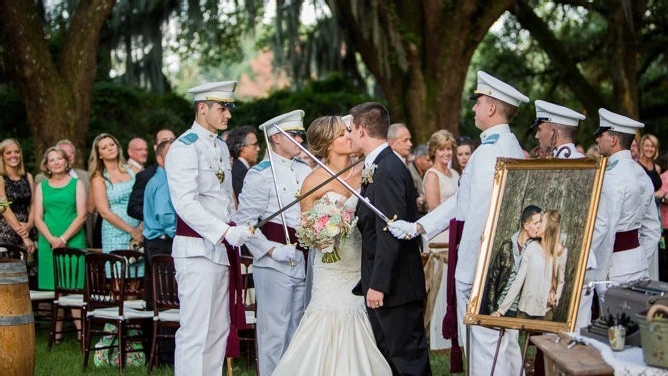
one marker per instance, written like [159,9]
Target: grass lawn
[66,359]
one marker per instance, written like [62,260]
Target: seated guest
[244,149]
[136,203]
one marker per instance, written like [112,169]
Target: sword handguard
[394,218]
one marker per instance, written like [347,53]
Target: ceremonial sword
[362,199]
[303,196]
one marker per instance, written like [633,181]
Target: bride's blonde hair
[322,132]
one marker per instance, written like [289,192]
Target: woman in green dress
[60,213]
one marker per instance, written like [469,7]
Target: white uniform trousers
[624,267]
[484,340]
[280,307]
[205,316]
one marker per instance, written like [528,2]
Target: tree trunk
[57,94]
[419,53]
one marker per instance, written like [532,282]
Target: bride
[334,336]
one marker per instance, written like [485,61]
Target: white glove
[238,235]
[402,229]
[285,253]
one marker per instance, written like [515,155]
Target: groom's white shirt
[368,160]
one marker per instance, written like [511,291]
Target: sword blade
[303,196]
[361,198]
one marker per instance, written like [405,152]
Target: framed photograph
[535,245]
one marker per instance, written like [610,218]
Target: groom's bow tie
[367,174]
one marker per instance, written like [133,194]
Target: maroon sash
[237,309]
[275,233]
[626,240]
[450,319]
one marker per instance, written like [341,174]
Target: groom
[392,279]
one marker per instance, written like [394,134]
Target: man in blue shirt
[159,217]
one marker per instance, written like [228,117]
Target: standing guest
[60,213]
[137,154]
[68,147]
[136,203]
[17,187]
[635,153]
[399,139]
[556,128]
[496,103]
[111,183]
[662,161]
[627,228]
[199,178]
[440,183]
[244,148]
[465,147]
[278,266]
[159,217]
[649,151]
[420,164]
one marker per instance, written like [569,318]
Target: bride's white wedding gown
[334,336]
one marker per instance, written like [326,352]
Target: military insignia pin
[220,174]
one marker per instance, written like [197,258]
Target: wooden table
[579,360]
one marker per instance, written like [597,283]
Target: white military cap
[611,121]
[495,88]
[293,121]
[553,113]
[222,92]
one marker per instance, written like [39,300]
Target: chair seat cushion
[171,315]
[139,304]
[112,313]
[74,300]
[42,295]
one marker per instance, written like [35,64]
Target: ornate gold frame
[503,166]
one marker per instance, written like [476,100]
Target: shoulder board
[262,165]
[220,138]
[611,165]
[491,139]
[300,161]
[189,138]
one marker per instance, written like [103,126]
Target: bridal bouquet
[325,223]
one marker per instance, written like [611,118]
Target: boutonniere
[367,174]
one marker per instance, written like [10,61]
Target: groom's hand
[374,299]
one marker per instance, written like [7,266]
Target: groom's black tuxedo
[393,267]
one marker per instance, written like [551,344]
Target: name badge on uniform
[220,174]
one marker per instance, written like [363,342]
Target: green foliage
[333,95]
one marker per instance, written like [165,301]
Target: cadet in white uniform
[496,103]
[627,229]
[200,183]
[556,128]
[278,269]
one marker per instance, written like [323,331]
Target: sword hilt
[394,218]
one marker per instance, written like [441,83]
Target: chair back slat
[69,271]
[105,284]
[135,285]
[165,287]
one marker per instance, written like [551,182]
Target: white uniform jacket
[627,203]
[200,199]
[258,200]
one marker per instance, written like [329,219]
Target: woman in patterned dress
[111,184]
[16,186]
